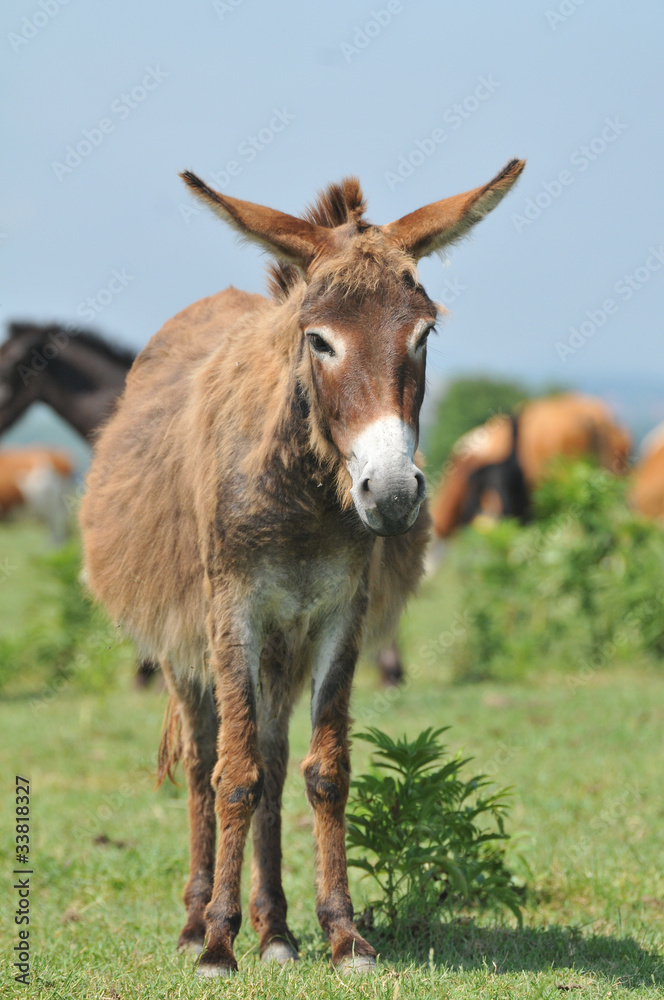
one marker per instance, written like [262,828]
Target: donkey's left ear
[287,237]
[433,227]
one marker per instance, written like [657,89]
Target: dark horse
[75,372]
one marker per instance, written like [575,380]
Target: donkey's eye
[422,339]
[320,345]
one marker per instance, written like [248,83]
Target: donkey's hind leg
[390,666]
[267,905]
[198,718]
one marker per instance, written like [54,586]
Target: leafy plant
[430,839]
[69,640]
[580,587]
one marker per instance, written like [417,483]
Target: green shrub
[431,840]
[69,640]
[581,587]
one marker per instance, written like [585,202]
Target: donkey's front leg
[267,903]
[327,775]
[238,780]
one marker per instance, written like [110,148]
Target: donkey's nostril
[364,485]
[421,485]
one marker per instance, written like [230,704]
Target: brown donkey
[254,514]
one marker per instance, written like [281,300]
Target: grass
[582,752]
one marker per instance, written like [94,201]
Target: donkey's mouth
[388,488]
[385,527]
[390,508]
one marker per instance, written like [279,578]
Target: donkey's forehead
[397,298]
[372,310]
[358,255]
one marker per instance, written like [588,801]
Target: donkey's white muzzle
[388,488]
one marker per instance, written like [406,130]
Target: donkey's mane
[336,205]
[114,352]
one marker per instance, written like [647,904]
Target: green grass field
[582,752]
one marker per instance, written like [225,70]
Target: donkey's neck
[303,457]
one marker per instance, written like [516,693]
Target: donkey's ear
[291,239]
[431,228]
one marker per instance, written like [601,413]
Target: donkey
[75,372]
[254,513]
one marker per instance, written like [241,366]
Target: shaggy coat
[254,515]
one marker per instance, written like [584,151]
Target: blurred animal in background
[494,468]
[498,489]
[75,372]
[79,375]
[647,494]
[37,481]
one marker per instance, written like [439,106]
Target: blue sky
[272,101]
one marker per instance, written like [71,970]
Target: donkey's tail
[170,747]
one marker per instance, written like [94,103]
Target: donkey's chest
[298,556]
[298,594]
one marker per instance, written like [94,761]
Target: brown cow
[37,479]
[568,424]
[254,513]
[647,494]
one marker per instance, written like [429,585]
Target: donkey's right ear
[430,229]
[294,240]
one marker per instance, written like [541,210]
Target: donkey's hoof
[192,941]
[207,971]
[356,965]
[279,951]
[191,947]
